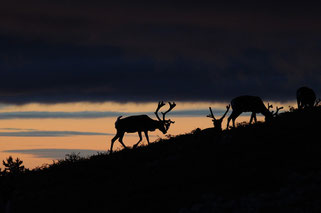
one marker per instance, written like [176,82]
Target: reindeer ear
[171,122]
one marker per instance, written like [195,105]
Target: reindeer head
[218,122]
[272,114]
[268,114]
[164,124]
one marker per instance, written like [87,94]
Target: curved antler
[227,109]
[270,106]
[211,115]
[277,111]
[160,105]
[171,106]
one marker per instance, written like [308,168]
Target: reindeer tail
[117,120]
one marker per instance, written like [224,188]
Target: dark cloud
[17,129]
[74,51]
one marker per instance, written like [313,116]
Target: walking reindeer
[141,123]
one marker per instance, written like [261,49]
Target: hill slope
[253,168]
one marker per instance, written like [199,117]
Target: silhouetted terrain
[263,167]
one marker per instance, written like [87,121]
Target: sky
[42,133]
[69,68]
[71,51]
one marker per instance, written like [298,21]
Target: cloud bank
[56,52]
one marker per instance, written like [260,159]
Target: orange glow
[99,125]
[107,106]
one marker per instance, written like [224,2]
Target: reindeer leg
[121,140]
[233,116]
[146,135]
[140,139]
[252,116]
[113,141]
[228,122]
[299,104]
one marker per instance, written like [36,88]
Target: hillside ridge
[262,167]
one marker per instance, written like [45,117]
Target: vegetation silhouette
[13,166]
[263,167]
[8,181]
[306,97]
[141,123]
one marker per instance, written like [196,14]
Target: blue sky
[94,114]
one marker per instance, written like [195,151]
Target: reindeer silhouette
[218,122]
[252,104]
[141,123]
[305,97]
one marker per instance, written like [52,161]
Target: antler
[227,109]
[270,106]
[277,111]
[171,106]
[160,105]
[211,115]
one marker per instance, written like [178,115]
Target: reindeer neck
[158,124]
[266,112]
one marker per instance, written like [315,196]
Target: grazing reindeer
[247,103]
[305,97]
[218,122]
[141,123]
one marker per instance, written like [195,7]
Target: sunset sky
[68,69]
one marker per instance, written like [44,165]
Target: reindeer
[218,122]
[305,97]
[252,104]
[141,123]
